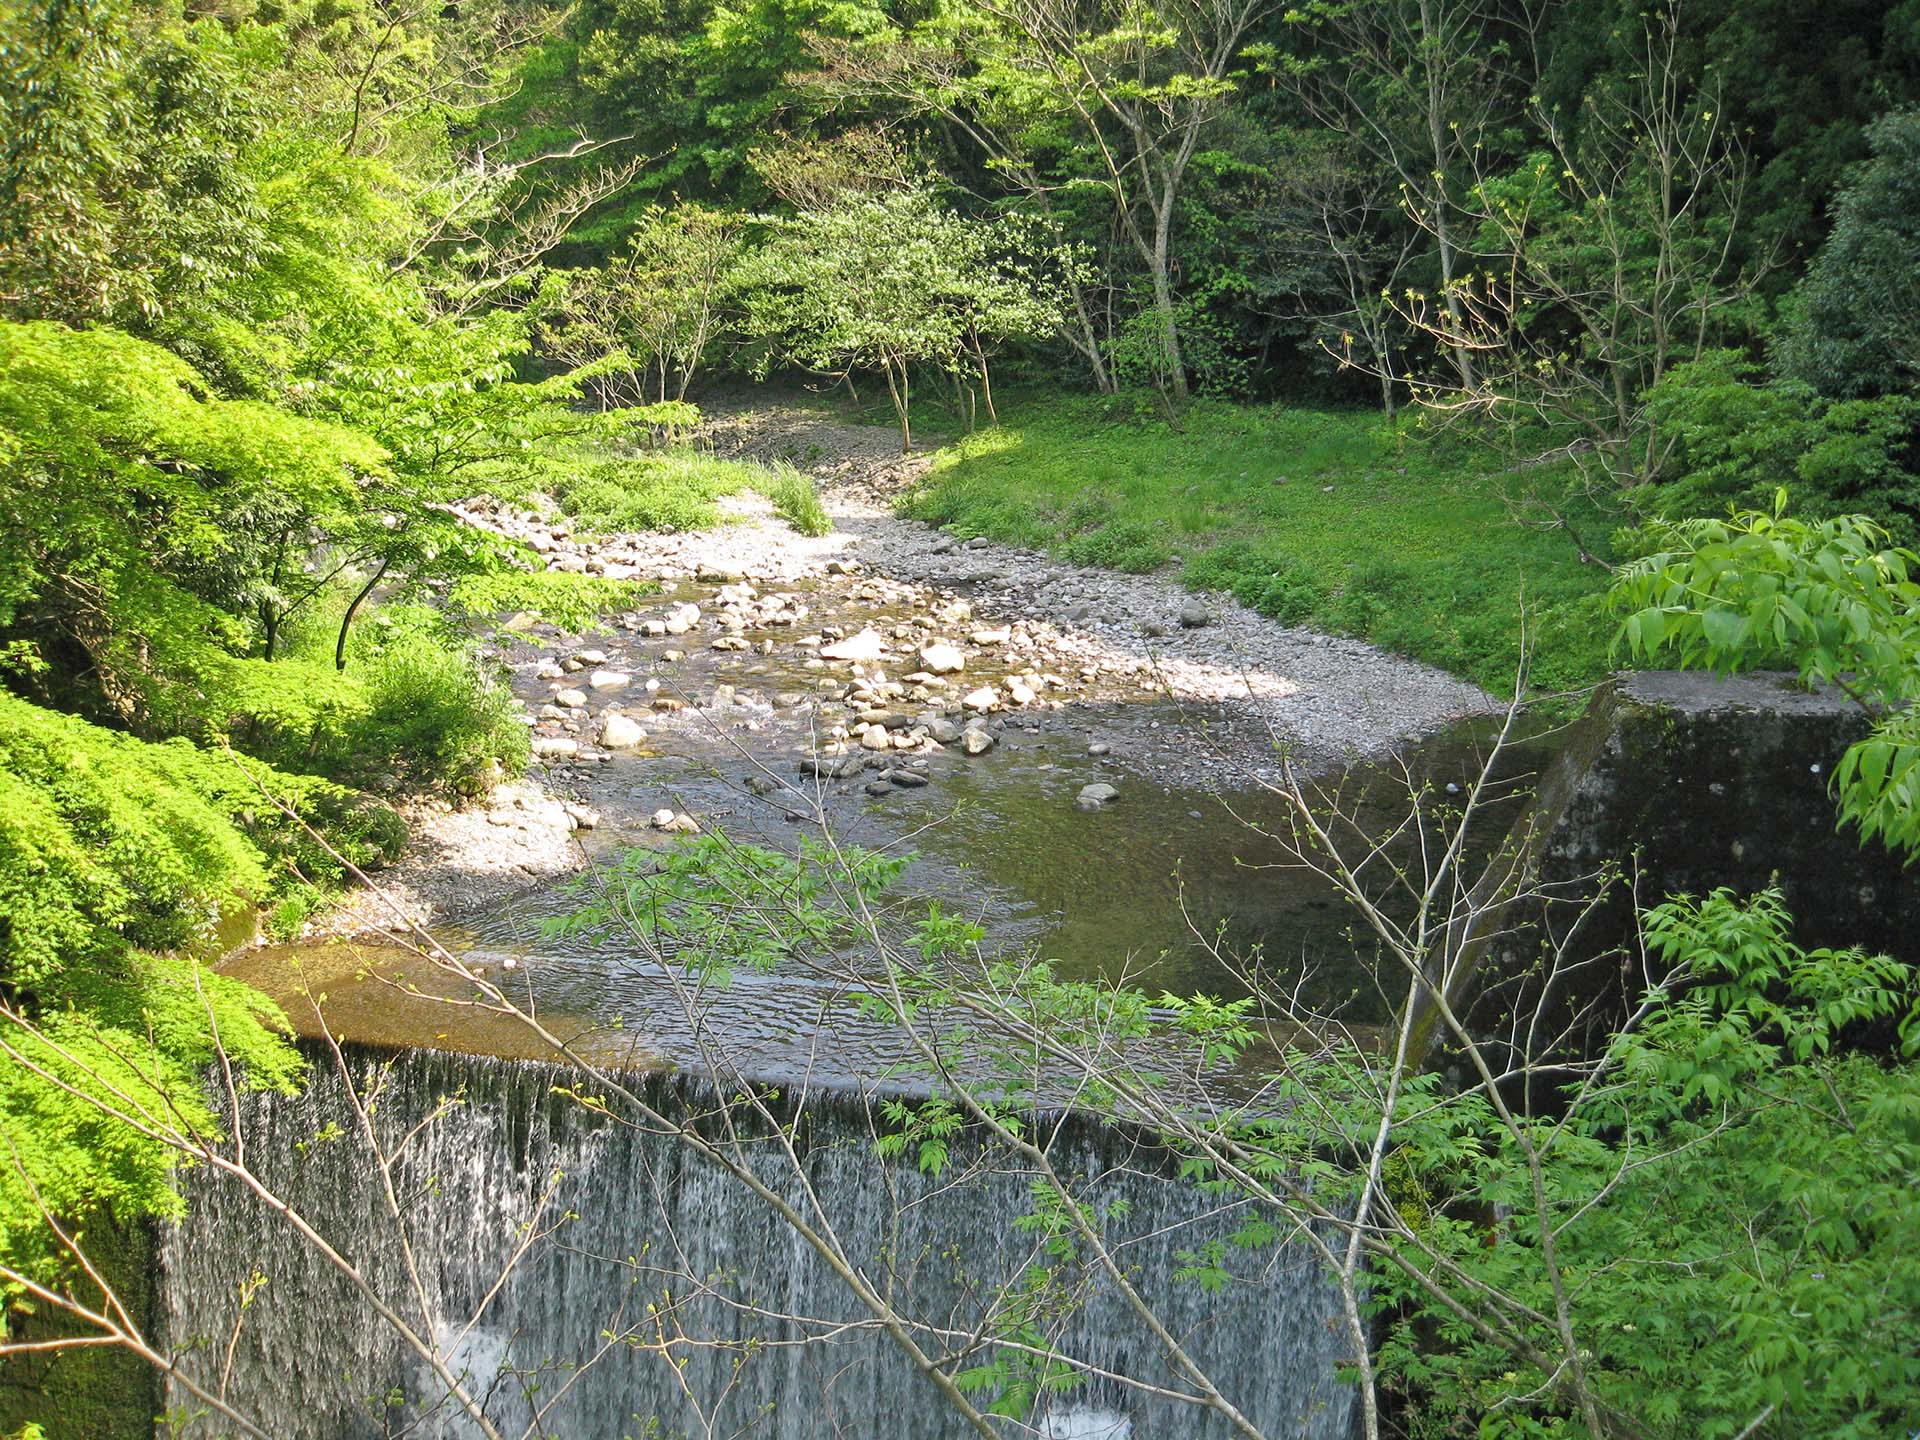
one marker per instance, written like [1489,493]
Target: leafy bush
[1271,584]
[1130,545]
[573,602]
[1856,333]
[1733,442]
[676,491]
[434,714]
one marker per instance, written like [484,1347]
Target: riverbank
[1423,544]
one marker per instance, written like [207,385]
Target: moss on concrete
[97,1392]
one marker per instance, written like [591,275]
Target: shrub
[1271,584]
[676,491]
[573,602]
[435,715]
[1130,545]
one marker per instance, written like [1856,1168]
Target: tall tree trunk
[902,398]
[1163,306]
[1442,228]
[986,382]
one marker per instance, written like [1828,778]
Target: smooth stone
[867,645]
[942,659]
[554,747]
[983,699]
[1193,615]
[1092,797]
[976,741]
[943,730]
[591,657]
[609,680]
[875,737]
[909,779]
[571,699]
[617,732]
[879,787]
[997,636]
[1099,747]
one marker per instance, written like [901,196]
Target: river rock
[942,659]
[831,767]
[571,699]
[878,787]
[997,635]
[977,740]
[1193,615]
[867,645]
[584,817]
[982,700]
[1021,693]
[875,737]
[618,732]
[548,670]
[609,680]
[591,657]
[943,730]
[910,779]
[1099,747]
[554,747]
[1093,797]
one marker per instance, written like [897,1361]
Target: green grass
[676,490]
[1412,547]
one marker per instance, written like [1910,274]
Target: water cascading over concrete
[641,1242]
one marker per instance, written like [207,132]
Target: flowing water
[632,1246]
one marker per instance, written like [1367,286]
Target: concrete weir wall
[1695,781]
[1717,781]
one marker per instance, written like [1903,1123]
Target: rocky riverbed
[882,674]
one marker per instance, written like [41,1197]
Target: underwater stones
[1096,796]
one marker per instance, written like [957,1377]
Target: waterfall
[634,1220]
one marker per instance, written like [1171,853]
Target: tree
[1857,330]
[657,308]
[1415,86]
[1606,258]
[1135,90]
[891,284]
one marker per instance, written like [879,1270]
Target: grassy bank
[1313,517]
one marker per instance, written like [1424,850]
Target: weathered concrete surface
[1689,782]
[1712,782]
